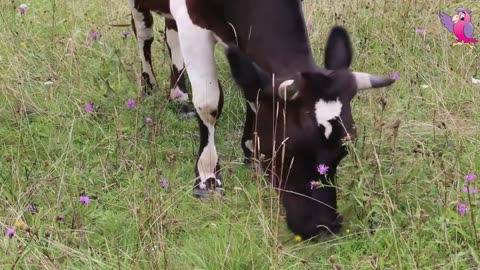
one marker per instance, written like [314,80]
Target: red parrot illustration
[461,26]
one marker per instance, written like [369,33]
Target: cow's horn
[368,81]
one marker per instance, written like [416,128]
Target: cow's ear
[249,76]
[338,51]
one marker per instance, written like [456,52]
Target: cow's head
[310,114]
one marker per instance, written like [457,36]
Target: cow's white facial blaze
[325,111]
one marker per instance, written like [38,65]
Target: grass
[399,187]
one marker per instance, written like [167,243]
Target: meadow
[87,183]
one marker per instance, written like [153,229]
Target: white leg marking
[174,45]
[325,111]
[143,34]
[197,47]
[249,145]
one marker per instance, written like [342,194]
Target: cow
[298,114]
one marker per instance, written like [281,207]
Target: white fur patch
[197,47]
[325,111]
[143,34]
[174,45]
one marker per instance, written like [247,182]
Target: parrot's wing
[468,30]
[447,21]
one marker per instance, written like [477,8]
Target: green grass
[398,192]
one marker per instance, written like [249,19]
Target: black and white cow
[301,112]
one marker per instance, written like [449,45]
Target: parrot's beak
[455,19]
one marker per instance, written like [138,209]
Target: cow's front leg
[142,24]
[178,88]
[248,129]
[197,46]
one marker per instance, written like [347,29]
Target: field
[399,188]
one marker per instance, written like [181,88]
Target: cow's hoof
[147,86]
[210,190]
[185,110]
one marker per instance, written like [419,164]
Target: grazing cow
[301,112]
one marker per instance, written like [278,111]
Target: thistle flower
[131,103]
[322,169]
[84,200]
[164,182]
[93,35]
[22,9]
[313,184]
[148,120]
[126,34]
[11,232]
[472,191]
[462,208]
[89,107]
[420,31]
[470,177]
[32,209]
[395,75]
[60,218]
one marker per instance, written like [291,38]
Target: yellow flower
[298,238]
[23,44]
[347,231]
[19,224]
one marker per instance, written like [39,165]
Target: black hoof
[185,110]
[212,189]
[147,86]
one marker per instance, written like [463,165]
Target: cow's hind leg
[248,129]
[142,23]
[197,46]
[178,88]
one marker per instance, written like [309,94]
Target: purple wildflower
[89,107]
[32,209]
[420,31]
[313,184]
[131,103]
[164,182]
[10,232]
[309,24]
[22,9]
[61,218]
[148,120]
[470,177]
[84,200]
[93,35]
[322,169]
[462,208]
[472,191]
[126,34]
[396,75]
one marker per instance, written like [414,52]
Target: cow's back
[272,33]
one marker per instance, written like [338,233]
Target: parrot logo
[461,26]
